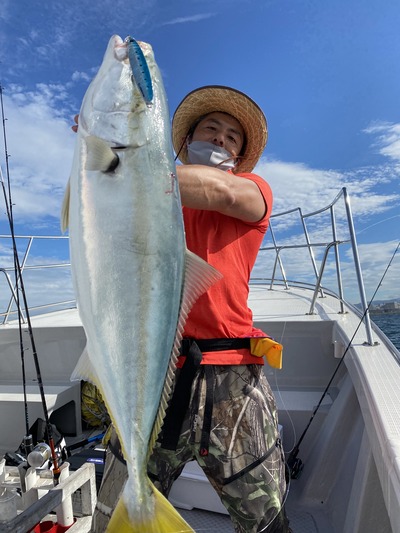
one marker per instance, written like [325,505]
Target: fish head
[114,105]
[124,134]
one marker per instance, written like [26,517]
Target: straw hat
[213,98]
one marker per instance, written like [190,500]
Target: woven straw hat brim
[213,98]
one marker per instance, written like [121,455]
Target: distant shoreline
[378,312]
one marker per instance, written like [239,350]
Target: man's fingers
[76,120]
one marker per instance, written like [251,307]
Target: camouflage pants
[244,463]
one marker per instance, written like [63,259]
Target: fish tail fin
[166,519]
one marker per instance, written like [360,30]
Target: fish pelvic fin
[65,208]
[199,277]
[165,519]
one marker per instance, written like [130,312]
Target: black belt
[193,350]
[215,345]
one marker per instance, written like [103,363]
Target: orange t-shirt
[231,246]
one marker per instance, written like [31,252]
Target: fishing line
[19,284]
[295,464]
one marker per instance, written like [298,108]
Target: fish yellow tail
[165,519]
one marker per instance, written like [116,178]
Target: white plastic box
[192,489]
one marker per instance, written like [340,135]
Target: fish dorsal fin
[65,208]
[199,277]
[99,155]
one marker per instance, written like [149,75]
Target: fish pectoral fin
[165,519]
[65,208]
[99,155]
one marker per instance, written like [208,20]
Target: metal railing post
[277,259]
[337,258]
[357,263]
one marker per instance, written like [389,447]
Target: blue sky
[325,72]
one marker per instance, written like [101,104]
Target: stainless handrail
[13,294]
[335,243]
[12,283]
[13,298]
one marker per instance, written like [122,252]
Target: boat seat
[295,408]
[301,400]
[63,400]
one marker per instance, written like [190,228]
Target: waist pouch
[268,348]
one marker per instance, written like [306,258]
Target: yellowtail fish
[135,280]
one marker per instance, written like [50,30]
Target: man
[223,412]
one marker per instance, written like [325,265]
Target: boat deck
[301,521]
[313,344]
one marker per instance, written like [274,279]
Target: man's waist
[222,351]
[215,345]
[238,350]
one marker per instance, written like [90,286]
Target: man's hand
[75,127]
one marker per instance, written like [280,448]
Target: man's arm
[211,189]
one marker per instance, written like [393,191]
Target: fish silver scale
[127,250]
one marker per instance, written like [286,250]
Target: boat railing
[25,244]
[12,299]
[333,244]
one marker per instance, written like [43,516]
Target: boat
[338,392]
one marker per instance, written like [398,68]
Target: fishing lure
[140,70]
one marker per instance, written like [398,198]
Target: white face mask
[205,153]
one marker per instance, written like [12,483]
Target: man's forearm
[211,189]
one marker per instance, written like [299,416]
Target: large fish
[134,279]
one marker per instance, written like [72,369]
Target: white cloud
[40,145]
[78,76]
[51,31]
[297,185]
[388,138]
[374,259]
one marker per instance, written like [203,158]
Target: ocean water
[390,325]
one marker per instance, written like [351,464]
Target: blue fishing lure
[140,70]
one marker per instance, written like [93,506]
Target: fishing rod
[19,285]
[294,463]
